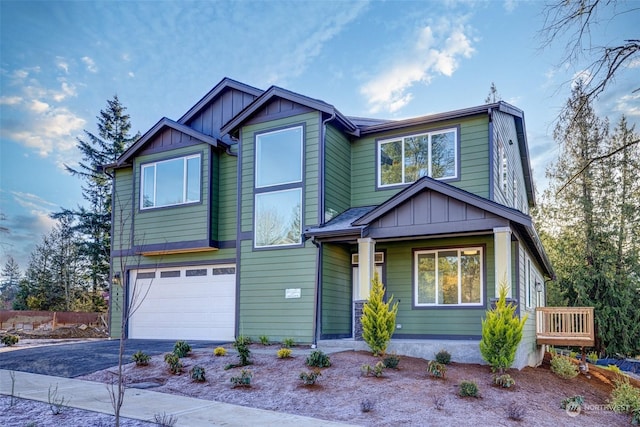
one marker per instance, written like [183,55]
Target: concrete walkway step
[144,404]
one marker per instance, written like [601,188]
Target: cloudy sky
[61,61]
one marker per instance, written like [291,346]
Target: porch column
[502,249]
[366,266]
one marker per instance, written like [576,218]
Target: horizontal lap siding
[474,161]
[264,278]
[337,172]
[336,290]
[122,208]
[434,321]
[177,223]
[228,198]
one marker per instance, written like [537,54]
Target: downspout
[321,208]
[492,163]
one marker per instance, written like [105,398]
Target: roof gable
[275,92]
[162,125]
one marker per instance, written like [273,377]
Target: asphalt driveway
[73,360]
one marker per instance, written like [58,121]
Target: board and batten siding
[337,292]
[179,223]
[337,173]
[504,129]
[474,161]
[225,107]
[451,322]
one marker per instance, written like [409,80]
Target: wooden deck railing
[571,326]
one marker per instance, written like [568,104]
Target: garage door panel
[184,307]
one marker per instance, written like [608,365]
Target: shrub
[367,405]
[504,381]
[244,380]
[197,373]
[318,359]
[310,378]
[377,370]
[436,369]
[439,402]
[391,361]
[9,339]
[264,340]
[573,403]
[516,411]
[181,348]
[592,357]
[141,359]
[175,365]
[501,334]
[219,351]
[288,342]
[241,345]
[444,357]
[615,368]
[165,420]
[284,353]
[378,318]
[625,398]
[562,367]
[469,389]
[635,417]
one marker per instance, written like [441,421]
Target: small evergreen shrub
[318,359]
[378,318]
[181,348]
[197,373]
[444,357]
[288,342]
[376,370]
[310,378]
[592,357]
[562,367]
[391,361]
[175,365]
[9,340]
[501,334]
[367,405]
[244,380]
[141,359]
[573,403]
[436,369]
[241,345]
[243,339]
[516,411]
[219,351]
[624,398]
[615,368]
[284,353]
[504,381]
[469,389]
[264,340]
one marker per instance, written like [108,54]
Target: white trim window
[170,182]
[449,277]
[529,283]
[407,159]
[278,188]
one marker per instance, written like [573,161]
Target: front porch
[565,326]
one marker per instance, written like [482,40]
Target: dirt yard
[407,396]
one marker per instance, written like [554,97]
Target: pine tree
[378,318]
[10,283]
[501,334]
[93,222]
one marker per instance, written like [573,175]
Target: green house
[268,213]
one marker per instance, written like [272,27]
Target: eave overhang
[277,92]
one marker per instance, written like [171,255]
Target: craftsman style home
[266,212]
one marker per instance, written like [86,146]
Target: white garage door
[183,303]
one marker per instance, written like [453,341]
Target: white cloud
[437,50]
[10,100]
[629,105]
[38,106]
[131,74]
[90,63]
[62,64]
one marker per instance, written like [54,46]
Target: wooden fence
[31,320]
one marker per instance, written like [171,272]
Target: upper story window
[407,159]
[278,188]
[279,157]
[504,167]
[170,182]
[448,277]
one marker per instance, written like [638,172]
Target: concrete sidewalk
[144,404]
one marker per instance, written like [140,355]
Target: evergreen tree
[589,218]
[93,222]
[493,96]
[378,318]
[501,334]
[10,283]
